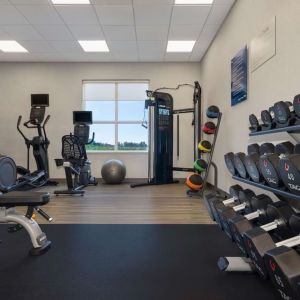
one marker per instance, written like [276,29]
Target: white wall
[277,79]
[63,81]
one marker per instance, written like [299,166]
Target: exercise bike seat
[24,199]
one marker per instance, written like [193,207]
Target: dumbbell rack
[199,193]
[281,193]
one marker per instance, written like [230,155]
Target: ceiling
[135,30]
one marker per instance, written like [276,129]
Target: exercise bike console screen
[40,100]
[82,117]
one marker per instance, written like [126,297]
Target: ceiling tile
[119,33]
[10,15]
[224,2]
[177,56]
[40,14]
[66,46]
[152,33]
[218,14]
[149,46]
[201,45]
[30,2]
[23,32]
[115,14]
[112,2]
[190,15]
[51,57]
[88,57]
[117,47]
[55,32]
[156,55]
[152,14]
[38,46]
[4,34]
[87,32]
[209,31]
[77,14]
[184,32]
[17,57]
[161,2]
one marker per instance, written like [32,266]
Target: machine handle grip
[19,121]
[92,139]
[44,214]
[46,121]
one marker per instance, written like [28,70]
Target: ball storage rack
[199,193]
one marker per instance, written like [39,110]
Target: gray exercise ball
[113,171]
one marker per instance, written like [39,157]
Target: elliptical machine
[75,161]
[9,172]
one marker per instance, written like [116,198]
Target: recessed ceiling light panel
[94,46]
[180,46]
[71,2]
[11,46]
[193,2]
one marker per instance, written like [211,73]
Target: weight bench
[8,214]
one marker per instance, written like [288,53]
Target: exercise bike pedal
[40,250]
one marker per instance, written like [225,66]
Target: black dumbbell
[239,164]
[289,170]
[296,105]
[252,159]
[227,212]
[215,203]
[254,124]
[239,224]
[229,157]
[283,113]
[268,164]
[267,120]
[258,240]
[283,263]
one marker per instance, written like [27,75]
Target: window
[118,112]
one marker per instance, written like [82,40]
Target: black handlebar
[92,139]
[46,121]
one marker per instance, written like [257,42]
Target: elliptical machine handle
[19,121]
[20,131]
[92,139]
[46,121]
[44,130]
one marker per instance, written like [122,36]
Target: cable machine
[160,134]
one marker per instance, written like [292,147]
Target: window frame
[116,121]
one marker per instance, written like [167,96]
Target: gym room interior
[149,149]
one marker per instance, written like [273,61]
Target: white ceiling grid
[135,30]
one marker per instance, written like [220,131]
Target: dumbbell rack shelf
[279,192]
[289,129]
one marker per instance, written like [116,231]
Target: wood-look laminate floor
[120,204]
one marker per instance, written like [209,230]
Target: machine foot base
[41,250]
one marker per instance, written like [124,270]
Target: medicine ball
[200,165]
[204,146]
[209,128]
[194,181]
[113,171]
[212,112]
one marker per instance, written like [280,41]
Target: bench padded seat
[24,199]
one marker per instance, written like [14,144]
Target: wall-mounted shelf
[278,191]
[288,129]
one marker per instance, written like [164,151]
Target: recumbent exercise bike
[9,179]
[74,157]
